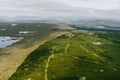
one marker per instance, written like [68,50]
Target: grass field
[12,56]
[74,56]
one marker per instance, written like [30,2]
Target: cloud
[95,4]
[64,8]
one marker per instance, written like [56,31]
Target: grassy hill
[78,55]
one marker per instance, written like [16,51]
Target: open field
[77,55]
[16,55]
[12,56]
[59,39]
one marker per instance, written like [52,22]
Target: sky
[103,9]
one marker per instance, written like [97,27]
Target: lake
[7,41]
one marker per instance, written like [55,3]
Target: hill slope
[78,55]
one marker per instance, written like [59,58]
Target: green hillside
[78,55]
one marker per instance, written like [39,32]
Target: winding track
[98,57]
[10,63]
[68,44]
[93,53]
[47,64]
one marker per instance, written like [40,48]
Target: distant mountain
[69,20]
[20,18]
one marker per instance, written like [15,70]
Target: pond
[7,41]
[2,29]
[25,32]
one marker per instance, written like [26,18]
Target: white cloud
[80,8]
[96,4]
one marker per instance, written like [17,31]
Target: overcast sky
[109,9]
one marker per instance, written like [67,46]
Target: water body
[7,41]
[13,24]
[97,43]
[25,32]
[108,28]
[2,29]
